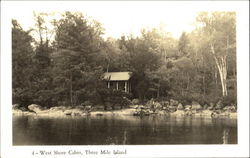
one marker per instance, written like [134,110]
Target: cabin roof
[117,76]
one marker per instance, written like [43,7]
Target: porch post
[108,84]
[117,85]
[126,86]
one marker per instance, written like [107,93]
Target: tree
[22,52]
[139,58]
[77,43]
[183,44]
[220,30]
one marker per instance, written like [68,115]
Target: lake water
[131,130]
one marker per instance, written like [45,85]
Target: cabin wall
[119,85]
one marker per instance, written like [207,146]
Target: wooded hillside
[63,65]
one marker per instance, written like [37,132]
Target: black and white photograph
[124,74]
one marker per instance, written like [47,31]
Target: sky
[124,18]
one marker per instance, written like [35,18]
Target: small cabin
[118,80]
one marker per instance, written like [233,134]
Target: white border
[240,150]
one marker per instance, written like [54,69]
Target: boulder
[99,107]
[205,107]
[206,113]
[178,113]
[58,108]
[135,101]
[233,115]
[160,112]
[87,103]
[140,107]
[74,112]
[157,105]
[180,107]
[80,107]
[15,106]
[88,108]
[219,105]
[211,106]
[188,113]
[164,103]
[172,108]
[225,114]
[231,108]
[117,107]
[188,107]
[133,106]
[17,112]
[150,103]
[23,108]
[173,102]
[108,108]
[36,108]
[196,106]
[215,114]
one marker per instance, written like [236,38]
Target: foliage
[65,64]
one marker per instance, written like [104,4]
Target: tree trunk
[188,81]
[204,86]
[158,92]
[222,67]
[216,78]
[71,100]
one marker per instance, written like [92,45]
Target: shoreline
[136,111]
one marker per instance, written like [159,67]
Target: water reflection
[122,130]
[225,136]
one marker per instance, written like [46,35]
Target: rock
[230,108]
[150,103]
[188,107]
[188,113]
[173,102]
[17,112]
[225,114]
[99,114]
[87,103]
[215,114]
[157,105]
[141,107]
[88,108]
[206,113]
[172,108]
[180,107]
[57,108]
[205,107]
[135,101]
[133,106]
[128,112]
[74,112]
[164,103]
[233,115]
[27,113]
[15,106]
[211,106]
[219,105]
[142,112]
[161,112]
[108,108]
[117,107]
[36,108]
[178,113]
[196,106]
[99,107]
[80,107]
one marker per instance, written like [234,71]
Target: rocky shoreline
[172,108]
